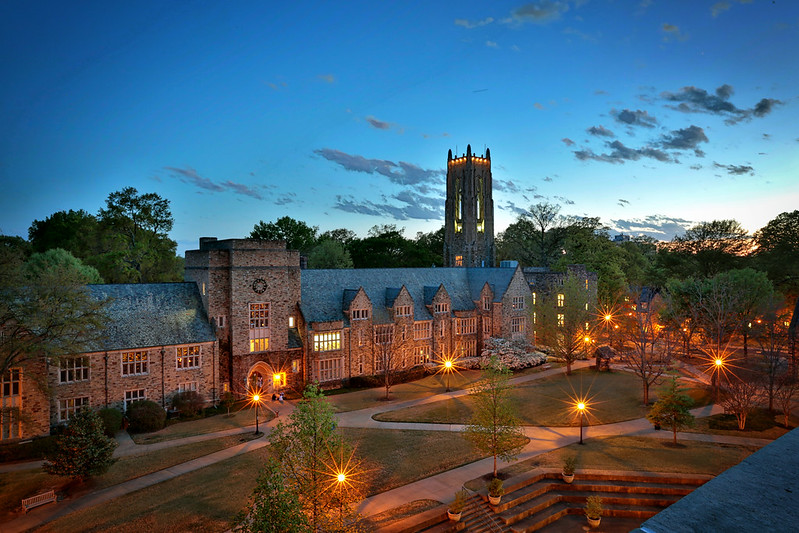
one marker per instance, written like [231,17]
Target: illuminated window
[328,369]
[295,365]
[517,326]
[561,300]
[189,386]
[518,302]
[259,327]
[360,314]
[10,404]
[292,322]
[134,363]
[402,310]
[586,306]
[71,369]
[586,283]
[458,260]
[279,380]
[467,349]
[535,318]
[442,308]
[422,330]
[384,334]
[533,298]
[466,326]
[69,407]
[134,396]
[188,357]
[561,320]
[421,355]
[326,342]
[203,288]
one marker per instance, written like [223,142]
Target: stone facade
[469,211]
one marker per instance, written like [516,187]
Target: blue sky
[652,115]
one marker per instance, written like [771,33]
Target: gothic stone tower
[469,211]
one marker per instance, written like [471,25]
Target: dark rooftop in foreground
[761,493]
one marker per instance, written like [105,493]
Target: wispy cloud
[622,202]
[378,124]
[470,24]
[634,118]
[538,12]
[400,173]
[600,131]
[672,32]
[192,177]
[619,153]
[492,44]
[736,170]
[327,78]
[660,227]
[720,7]
[695,100]
[567,141]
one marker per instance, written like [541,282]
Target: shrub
[27,451]
[145,416]
[495,488]
[188,403]
[112,420]
[227,400]
[82,450]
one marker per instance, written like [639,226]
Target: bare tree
[564,317]
[784,394]
[639,328]
[742,394]
[393,344]
[771,333]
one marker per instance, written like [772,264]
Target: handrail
[493,525]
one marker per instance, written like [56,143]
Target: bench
[39,499]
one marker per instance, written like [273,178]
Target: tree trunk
[674,430]
[746,346]
[646,393]
[568,367]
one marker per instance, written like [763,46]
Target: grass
[612,397]
[760,424]
[639,454]
[236,419]
[25,483]
[205,500]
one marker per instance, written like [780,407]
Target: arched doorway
[260,378]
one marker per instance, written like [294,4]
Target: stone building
[469,211]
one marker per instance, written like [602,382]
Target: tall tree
[672,409]
[74,231]
[562,317]
[433,244]
[57,258]
[639,327]
[495,428]
[742,393]
[307,446]
[82,450]
[386,247]
[754,291]
[44,312]
[392,345]
[770,331]
[297,234]
[272,508]
[777,250]
[712,247]
[537,236]
[136,244]
[329,254]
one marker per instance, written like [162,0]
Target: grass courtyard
[612,397]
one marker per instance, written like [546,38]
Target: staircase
[540,498]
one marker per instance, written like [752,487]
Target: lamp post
[719,366]
[256,398]
[581,409]
[447,371]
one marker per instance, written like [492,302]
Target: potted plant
[593,510]
[457,505]
[569,464]
[495,491]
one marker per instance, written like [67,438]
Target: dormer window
[442,308]
[402,310]
[359,314]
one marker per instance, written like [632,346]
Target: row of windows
[74,369]
[325,342]
[466,326]
[68,407]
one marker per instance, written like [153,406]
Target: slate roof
[324,291]
[142,315]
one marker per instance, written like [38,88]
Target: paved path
[440,487]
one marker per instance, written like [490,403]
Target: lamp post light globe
[581,409]
[256,398]
[447,371]
[341,477]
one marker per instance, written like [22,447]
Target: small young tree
[495,428]
[393,344]
[272,508]
[227,400]
[742,393]
[784,394]
[82,450]
[563,316]
[673,409]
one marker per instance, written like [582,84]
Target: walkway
[440,487]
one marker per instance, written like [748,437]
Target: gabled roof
[322,290]
[142,315]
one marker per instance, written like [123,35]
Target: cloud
[766,136]
[327,78]
[190,176]
[468,24]
[564,200]
[538,12]
[492,44]
[538,105]
[378,124]
[401,173]
[620,153]
[513,208]
[600,131]
[694,100]
[684,139]
[288,198]
[720,7]
[736,170]
[622,202]
[634,118]
[415,207]
[547,178]
[672,32]
[658,226]
[567,141]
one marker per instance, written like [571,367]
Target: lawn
[639,454]
[760,424]
[238,418]
[25,483]
[611,397]
[206,499]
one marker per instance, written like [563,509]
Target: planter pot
[593,522]
[568,478]
[453,516]
[494,500]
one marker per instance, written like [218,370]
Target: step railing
[485,516]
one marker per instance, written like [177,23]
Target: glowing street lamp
[447,370]
[718,368]
[581,409]
[256,399]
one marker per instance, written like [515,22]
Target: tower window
[458,260]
